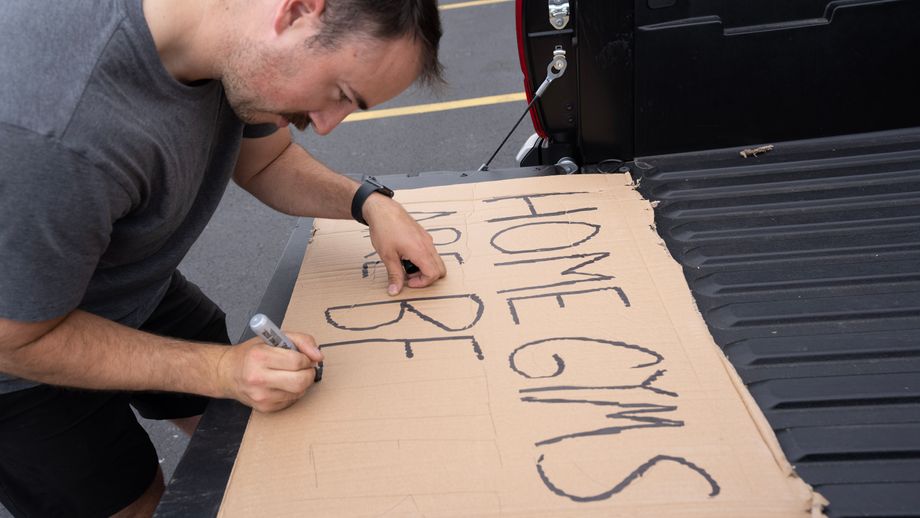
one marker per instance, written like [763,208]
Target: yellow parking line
[472,3]
[436,107]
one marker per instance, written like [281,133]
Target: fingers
[268,390]
[305,357]
[271,378]
[306,345]
[293,383]
[396,236]
[426,276]
[272,400]
[426,268]
[396,275]
[420,257]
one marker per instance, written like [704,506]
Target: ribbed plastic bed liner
[805,263]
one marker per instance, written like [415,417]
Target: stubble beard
[240,70]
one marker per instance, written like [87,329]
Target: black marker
[409,266]
[265,329]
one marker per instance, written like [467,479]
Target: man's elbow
[17,335]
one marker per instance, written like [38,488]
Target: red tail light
[519,26]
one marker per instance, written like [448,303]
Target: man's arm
[285,177]
[82,350]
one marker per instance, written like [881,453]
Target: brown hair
[386,19]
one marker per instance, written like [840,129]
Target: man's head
[319,60]
[386,20]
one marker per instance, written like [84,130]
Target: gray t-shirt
[109,167]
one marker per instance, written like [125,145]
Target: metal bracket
[554,70]
[559,13]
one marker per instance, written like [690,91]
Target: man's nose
[325,121]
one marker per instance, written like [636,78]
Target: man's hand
[269,378]
[395,236]
[284,176]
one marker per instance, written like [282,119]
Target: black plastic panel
[540,40]
[588,112]
[605,80]
[712,74]
[805,264]
[667,76]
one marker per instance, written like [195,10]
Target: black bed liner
[805,263]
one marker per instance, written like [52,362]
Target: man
[121,122]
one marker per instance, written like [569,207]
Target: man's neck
[180,30]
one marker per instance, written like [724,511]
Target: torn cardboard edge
[818,502]
[320,421]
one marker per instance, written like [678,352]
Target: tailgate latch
[559,13]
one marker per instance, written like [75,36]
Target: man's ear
[292,13]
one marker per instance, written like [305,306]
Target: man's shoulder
[49,51]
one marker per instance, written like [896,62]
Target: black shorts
[67,452]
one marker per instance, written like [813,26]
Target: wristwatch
[370,186]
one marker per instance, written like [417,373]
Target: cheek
[300,91]
[261,82]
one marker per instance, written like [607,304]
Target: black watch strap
[370,186]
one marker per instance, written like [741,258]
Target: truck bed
[805,263]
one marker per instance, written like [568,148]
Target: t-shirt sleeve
[259,130]
[56,217]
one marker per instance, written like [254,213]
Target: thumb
[306,345]
[396,276]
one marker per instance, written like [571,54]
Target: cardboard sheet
[561,369]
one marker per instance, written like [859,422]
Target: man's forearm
[284,176]
[297,184]
[87,351]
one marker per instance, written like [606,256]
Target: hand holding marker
[265,329]
[272,335]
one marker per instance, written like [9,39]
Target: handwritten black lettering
[559,299]
[630,414]
[594,230]
[408,342]
[632,477]
[645,385]
[453,235]
[560,364]
[410,306]
[450,231]
[590,277]
[366,267]
[528,199]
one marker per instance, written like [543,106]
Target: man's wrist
[367,188]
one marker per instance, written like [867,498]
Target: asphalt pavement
[236,255]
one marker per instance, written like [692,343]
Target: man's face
[291,83]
